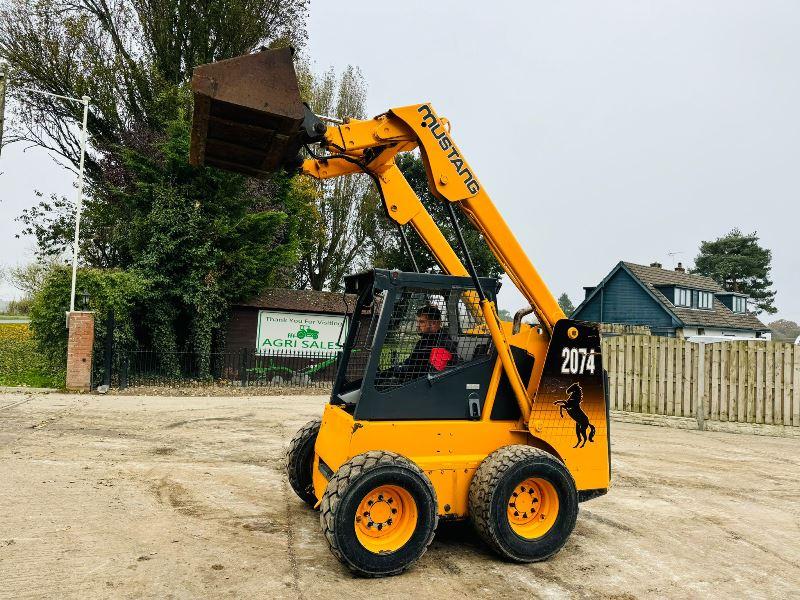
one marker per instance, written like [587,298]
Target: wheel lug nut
[380,526]
[380,497]
[370,502]
[389,501]
[394,511]
[389,521]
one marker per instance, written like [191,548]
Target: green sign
[300,333]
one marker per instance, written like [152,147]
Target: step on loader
[440,410]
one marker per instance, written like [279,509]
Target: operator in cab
[434,351]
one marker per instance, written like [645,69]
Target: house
[672,303]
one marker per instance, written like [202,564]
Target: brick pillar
[79,351]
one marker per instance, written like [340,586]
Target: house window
[705,300]
[739,304]
[701,331]
[683,297]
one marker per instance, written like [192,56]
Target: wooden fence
[744,382]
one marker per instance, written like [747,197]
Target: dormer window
[739,304]
[705,300]
[683,297]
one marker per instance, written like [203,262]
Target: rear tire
[300,461]
[379,514]
[523,503]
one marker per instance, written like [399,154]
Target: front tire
[379,514]
[300,461]
[523,503]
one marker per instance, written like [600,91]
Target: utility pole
[79,209]
[85,100]
[3,84]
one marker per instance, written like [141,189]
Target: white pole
[85,100]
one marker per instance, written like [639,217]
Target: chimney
[657,265]
[680,268]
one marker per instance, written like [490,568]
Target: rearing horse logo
[574,410]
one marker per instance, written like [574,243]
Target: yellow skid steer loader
[440,410]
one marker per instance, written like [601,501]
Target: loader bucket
[247,113]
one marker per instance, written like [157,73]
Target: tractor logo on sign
[306,332]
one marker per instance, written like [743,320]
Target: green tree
[505,315]
[204,237]
[784,330]
[739,264]
[388,251]
[29,278]
[108,289]
[123,54]
[566,304]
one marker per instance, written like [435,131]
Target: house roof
[719,316]
[667,277]
[301,301]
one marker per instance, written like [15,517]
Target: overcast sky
[603,131]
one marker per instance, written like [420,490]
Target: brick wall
[79,351]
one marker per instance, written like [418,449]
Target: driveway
[135,496]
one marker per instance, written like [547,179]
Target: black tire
[351,484]
[300,461]
[491,489]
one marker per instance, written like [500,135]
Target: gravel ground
[185,497]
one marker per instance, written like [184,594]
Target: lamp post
[85,101]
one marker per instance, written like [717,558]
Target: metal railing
[244,367]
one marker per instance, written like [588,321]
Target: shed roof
[301,301]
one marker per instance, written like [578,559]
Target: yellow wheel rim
[386,519]
[532,508]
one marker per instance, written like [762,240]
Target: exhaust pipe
[248,117]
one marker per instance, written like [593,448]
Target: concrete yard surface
[160,497]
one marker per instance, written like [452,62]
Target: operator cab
[418,348]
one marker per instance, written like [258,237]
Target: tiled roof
[302,301]
[658,276]
[719,316]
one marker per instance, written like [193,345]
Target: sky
[603,131]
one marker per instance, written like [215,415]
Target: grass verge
[21,364]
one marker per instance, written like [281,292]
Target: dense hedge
[123,291]
[21,363]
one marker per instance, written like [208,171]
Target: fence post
[243,366]
[123,372]
[701,386]
[107,359]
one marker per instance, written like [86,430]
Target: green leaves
[388,251]
[739,264]
[126,293]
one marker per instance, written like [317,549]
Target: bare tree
[127,55]
[346,207]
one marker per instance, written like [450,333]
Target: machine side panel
[569,411]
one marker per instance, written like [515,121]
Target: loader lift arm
[371,146]
[242,125]
[375,142]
